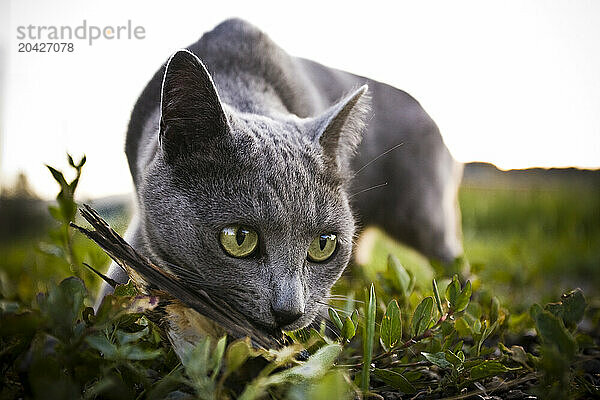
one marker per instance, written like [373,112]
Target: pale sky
[515,83]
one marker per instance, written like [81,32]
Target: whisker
[378,157]
[349,299]
[333,331]
[346,301]
[343,296]
[339,310]
[339,299]
[368,189]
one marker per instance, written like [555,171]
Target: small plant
[64,212]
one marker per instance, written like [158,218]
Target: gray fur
[267,141]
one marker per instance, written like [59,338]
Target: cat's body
[271,149]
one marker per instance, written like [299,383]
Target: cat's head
[255,208]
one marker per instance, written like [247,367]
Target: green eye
[322,247]
[238,241]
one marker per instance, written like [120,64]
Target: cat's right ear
[339,129]
[190,109]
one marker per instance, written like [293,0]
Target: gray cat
[242,159]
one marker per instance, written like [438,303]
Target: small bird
[189,312]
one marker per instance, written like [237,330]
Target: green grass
[531,244]
[30,265]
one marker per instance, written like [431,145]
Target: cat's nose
[287,304]
[286,315]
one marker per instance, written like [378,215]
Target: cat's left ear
[340,128]
[191,112]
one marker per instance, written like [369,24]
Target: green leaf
[63,305]
[72,162]
[457,347]
[315,341]
[450,338]
[422,316]
[335,318]
[114,307]
[452,292]
[315,367]
[412,376]
[217,356]
[349,304]
[395,379]
[574,305]
[368,337]
[534,310]
[436,297]
[310,371]
[401,278]
[126,337]
[127,289]
[456,359]
[585,341]
[553,332]
[487,369]
[494,309]
[196,362]
[487,331]
[103,345]
[58,176]
[73,289]
[391,326]
[237,354]
[438,359]
[462,300]
[556,309]
[518,354]
[355,319]
[110,308]
[68,208]
[462,327]
[301,335]
[348,330]
[137,353]
[56,213]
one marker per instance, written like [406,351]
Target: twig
[423,363]
[416,396]
[512,383]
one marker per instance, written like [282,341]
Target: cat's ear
[190,109]
[340,128]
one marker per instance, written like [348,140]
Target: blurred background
[514,87]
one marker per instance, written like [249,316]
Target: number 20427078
[46,47]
